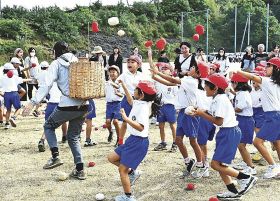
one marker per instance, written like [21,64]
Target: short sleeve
[240,101]
[189,84]
[220,109]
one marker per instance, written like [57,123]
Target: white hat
[97,49]
[8,66]
[44,64]
[15,60]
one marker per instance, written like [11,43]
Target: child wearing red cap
[222,114]
[270,99]
[186,125]
[129,155]
[167,112]
[9,84]
[131,79]
[243,107]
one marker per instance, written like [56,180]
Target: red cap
[218,80]
[147,86]
[204,69]
[217,65]
[260,68]
[260,71]
[10,74]
[135,58]
[238,78]
[274,61]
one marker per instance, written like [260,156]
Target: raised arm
[250,76]
[127,94]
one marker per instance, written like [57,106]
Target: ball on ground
[99,196]
[62,176]
[190,186]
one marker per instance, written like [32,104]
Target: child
[167,112]
[129,155]
[91,114]
[53,100]
[19,72]
[131,79]
[9,84]
[222,114]
[270,99]
[113,102]
[244,111]
[186,125]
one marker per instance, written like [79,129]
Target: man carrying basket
[69,109]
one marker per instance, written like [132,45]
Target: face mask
[32,54]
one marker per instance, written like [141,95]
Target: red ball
[104,126]
[148,43]
[199,29]
[33,65]
[94,27]
[91,164]
[195,37]
[213,199]
[160,44]
[190,186]
[10,74]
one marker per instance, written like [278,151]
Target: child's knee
[214,165]
[115,121]
[193,142]
[179,141]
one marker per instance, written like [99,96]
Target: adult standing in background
[100,56]
[116,58]
[248,60]
[136,53]
[19,54]
[222,59]
[31,64]
[261,55]
[275,52]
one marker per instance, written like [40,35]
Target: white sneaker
[153,120]
[250,171]
[134,176]
[200,172]
[240,166]
[247,184]
[271,172]
[228,196]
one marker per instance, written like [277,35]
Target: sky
[61,3]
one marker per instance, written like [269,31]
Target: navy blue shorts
[270,130]
[246,125]
[126,106]
[50,108]
[258,116]
[227,141]
[91,110]
[12,99]
[187,125]
[167,113]
[113,110]
[133,151]
[206,131]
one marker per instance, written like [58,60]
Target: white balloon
[113,21]
[99,196]
[121,32]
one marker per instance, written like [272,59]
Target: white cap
[15,60]
[8,66]
[44,64]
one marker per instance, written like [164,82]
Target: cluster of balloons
[160,44]
[199,29]
[112,21]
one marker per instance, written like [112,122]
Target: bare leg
[108,125]
[203,152]
[173,130]
[259,144]
[117,126]
[88,128]
[161,131]
[123,170]
[196,148]
[277,147]
[181,146]
[122,132]
[245,155]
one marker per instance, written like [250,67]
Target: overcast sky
[60,3]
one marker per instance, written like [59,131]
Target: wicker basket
[86,80]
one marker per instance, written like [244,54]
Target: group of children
[198,105]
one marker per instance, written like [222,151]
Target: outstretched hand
[27,109]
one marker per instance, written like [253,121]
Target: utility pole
[0,9]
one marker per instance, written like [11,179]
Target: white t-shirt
[223,64]
[10,84]
[203,101]
[110,93]
[270,95]
[55,94]
[168,93]
[256,98]
[222,107]
[41,78]
[243,101]
[186,65]
[140,113]
[186,95]
[131,80]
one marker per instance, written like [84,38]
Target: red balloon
[199,29]
[94,27]
[195,37]
[160,44]
[148,43]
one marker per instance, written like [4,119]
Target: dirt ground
[22,176]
